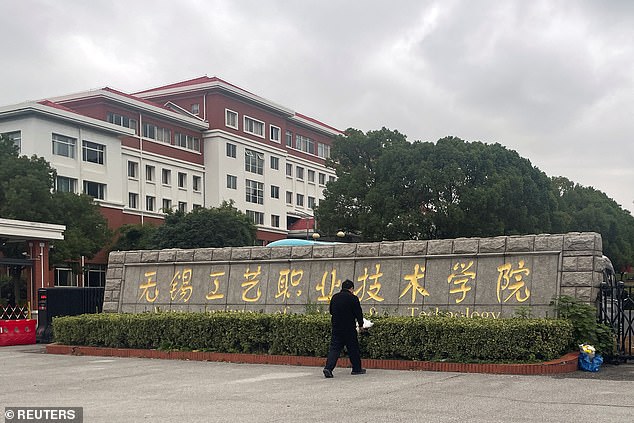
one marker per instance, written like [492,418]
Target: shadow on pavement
[616,372]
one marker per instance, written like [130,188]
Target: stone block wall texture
[464,277]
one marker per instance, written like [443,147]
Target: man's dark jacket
[345,308]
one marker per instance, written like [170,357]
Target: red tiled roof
[190,82]
[205,79]
[49,103]
[58,106]
[133,97]
[194,81]
[317,122]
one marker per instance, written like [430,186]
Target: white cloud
[550,80]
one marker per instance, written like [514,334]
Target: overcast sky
[552,80]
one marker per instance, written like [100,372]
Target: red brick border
[565,364]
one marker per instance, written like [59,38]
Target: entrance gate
[616,309]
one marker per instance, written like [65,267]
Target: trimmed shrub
[421,338]
[467,340]
[586,328]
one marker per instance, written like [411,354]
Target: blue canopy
[295,242]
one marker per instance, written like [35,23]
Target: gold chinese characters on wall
[375,283]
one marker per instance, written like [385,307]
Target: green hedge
[421,338]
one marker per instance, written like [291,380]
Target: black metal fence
[616,309]
[64,301]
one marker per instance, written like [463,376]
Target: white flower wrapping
[588,349]
[367,324]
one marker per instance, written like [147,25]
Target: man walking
[345,309]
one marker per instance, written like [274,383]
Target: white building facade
[191,144]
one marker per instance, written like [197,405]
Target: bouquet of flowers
[588,359]
[588,349]
[367,324]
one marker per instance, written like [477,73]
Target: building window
[182,180]
[64,184]
[167,205]
[299,172]
[322,178]
[304,144]
[157,133]
[331,179]
[166,177]
[64,146]
[275,221]
[120,120]
[231,119]
[311,202]
[133,200]
[289,197]
[93,152]
[15,136]
[149,173]
[95,190]
[196,206]
[187,141]
[95,276]
[232,182]
[300,200]
[311,176]
[275,191]
[231,150]
[133,169]
[275,133]
[64,277]
[323,150]
[253,161]
[150,203]
[196,183]
[182,206]
[289,169]
[256,217]
[254,191]
[195,108]
[289,139]
[275,163]
[253,126]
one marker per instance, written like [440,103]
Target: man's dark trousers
[350,340]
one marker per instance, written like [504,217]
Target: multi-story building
[191,144]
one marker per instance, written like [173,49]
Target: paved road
[144,390]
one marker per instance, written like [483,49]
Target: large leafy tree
[485,190]
[388,188]
[136,236]
[391,189]
[587,209]
[26,193]
[223,226]
[86,231]
[357,202]
[25,184]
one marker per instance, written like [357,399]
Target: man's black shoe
[327,373]
[357,372]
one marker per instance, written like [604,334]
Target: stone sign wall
[466,277]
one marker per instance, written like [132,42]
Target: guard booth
[24,257]
[65,301]
[30,269]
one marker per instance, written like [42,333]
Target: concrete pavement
[145,390]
